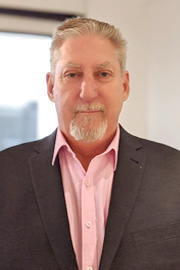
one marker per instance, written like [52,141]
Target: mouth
[90,112]
[89,109]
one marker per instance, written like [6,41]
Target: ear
[126,85]
[50,86]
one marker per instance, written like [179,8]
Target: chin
[88,132]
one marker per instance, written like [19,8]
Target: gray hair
[78,26]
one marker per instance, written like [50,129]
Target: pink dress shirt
[87,196]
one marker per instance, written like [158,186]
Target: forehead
[89,49]
[92,41]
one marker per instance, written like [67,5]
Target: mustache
[89,107]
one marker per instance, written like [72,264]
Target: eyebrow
[100,66]
[103,65]
[70,64]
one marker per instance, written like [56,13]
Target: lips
[89,108]
[90,111]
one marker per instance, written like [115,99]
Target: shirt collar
[61,142]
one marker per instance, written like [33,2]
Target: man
[90,196]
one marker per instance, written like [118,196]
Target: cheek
[114,99]
[64,105]
[59,96]
[114,106]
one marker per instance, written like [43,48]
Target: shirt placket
[89,237]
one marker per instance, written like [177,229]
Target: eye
[72,75]
[104,74]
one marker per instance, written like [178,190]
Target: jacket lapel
[127,180]
[50,197]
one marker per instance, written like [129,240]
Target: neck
[85,152]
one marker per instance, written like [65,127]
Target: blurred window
[25,112]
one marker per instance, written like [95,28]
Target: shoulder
[154,152]
[20,153]
[160,148]
[147,144]
[162,158]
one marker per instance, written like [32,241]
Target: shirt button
[88,225]
[89,268]
[87,183]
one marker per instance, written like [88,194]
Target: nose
[88,89]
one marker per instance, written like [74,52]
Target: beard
[88,128]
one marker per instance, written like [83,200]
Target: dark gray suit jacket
[143,226]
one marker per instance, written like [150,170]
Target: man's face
[88,88]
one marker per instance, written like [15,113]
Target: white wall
[164,72]
[66,6]
[32,25]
